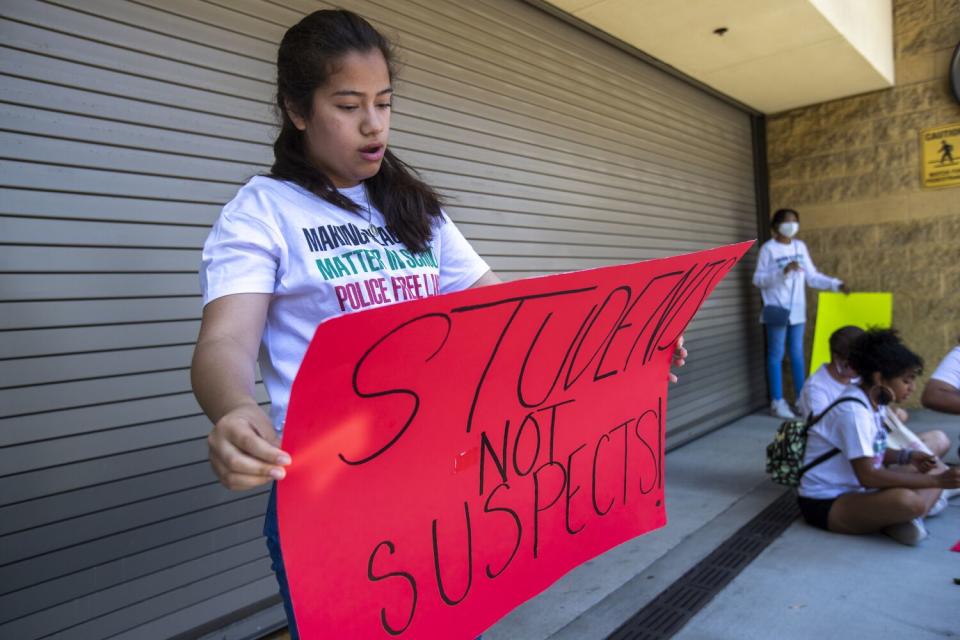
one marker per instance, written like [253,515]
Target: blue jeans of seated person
[271,532]
[777,339]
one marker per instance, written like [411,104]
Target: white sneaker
[939,505]
[950,493]
[909,533]
[780,409]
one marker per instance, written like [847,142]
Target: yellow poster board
[940,156]
[835,310]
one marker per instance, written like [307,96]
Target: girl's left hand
[679,359]
[901,413]
[923,462]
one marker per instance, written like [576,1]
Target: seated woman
[831,379]
[942,391]
[855,492]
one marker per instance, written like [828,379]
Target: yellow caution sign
[940,155]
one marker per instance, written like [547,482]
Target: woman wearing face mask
[784,269]
[853,490]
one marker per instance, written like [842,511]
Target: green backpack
[785,453]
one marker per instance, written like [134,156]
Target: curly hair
[881,350]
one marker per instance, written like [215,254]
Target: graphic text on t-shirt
[376,290]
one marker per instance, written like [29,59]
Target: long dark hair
[307,57]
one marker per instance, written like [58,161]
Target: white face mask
[789,229]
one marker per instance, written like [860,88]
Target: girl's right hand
[949,479]
[244,449]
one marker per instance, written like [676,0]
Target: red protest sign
[455,456]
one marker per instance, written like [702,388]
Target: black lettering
[717,271]
[660,442]
[394,631]
[625,454]
[516,522]
[351,233]
[336,235]
[653,455]
[526,360]
[624,289]
[325,240]
[516,445]
[519,300]
[570,494]
[436,561]
[501,462]
[593,488]
[677,302]
[486,368]
[636,301]
[553,421]
[312,241]
[621,325]
[537,509]
[407,392]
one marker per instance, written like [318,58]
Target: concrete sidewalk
[808,583]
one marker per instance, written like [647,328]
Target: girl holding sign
[340,224]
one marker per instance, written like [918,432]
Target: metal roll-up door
[126,125]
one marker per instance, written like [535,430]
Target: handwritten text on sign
[455,456]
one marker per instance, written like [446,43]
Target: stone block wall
[851,168]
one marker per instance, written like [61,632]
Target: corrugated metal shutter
[126,125]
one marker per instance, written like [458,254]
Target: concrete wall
[851,168]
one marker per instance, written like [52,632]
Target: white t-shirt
[949,369]
[787,290]
[858,432]
[320,261]
[819,391]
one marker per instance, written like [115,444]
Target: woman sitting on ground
[830,381]
[832,378]
[855,491]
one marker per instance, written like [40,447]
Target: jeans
[271,532]
[792,337]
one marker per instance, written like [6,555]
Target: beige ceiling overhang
[774,55]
